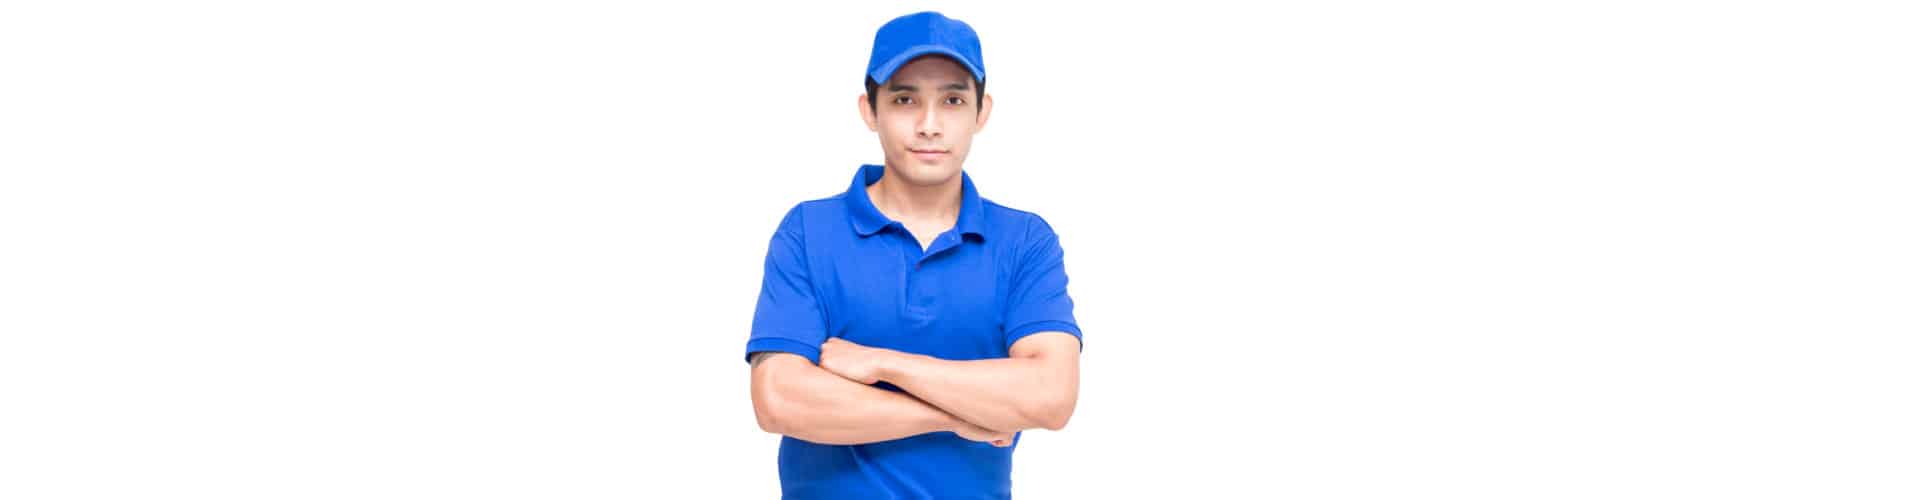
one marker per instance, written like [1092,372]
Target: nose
[929,123]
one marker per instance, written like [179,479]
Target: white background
[410,249]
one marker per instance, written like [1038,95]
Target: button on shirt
[837,267]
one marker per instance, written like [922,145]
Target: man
[908,330]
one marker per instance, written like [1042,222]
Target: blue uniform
[837,267]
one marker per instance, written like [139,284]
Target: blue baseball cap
[918,34]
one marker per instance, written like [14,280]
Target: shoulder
[813,212]
[1016,224]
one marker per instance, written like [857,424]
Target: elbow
[769,409]
[1052,415]
[769,421]
[773,412]
[1056,421]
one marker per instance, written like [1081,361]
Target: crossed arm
[987,400]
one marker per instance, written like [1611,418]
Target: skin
[794,397]
[1034,387]
[926,121]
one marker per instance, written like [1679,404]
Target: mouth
[929,154]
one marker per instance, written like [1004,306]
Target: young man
[908,330]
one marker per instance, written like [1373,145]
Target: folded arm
[1036,386]
[794,397]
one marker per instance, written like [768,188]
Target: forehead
[931,69]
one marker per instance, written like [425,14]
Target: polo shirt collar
[867,218]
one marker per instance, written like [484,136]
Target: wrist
[893,364]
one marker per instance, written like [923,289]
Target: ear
[866,113]
[986,108]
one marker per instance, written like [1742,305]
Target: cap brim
[885,71]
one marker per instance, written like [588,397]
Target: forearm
[812,404]
[1006,394]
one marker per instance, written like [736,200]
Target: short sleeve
[1037,300]
[788,317]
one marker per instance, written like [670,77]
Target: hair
[979,94]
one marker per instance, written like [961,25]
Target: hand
[853,361]
[972,432]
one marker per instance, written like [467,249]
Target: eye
[956,101]
[903,100]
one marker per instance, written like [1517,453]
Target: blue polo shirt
[837,267]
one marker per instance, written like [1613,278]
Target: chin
[924,174]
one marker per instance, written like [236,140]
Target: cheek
[965,122]
[890,131]
[960,130]
[898,125]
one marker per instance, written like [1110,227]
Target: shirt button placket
[910,296]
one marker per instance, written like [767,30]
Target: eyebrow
[960,85]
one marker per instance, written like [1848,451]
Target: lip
[928,154]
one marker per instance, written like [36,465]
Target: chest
[889,292]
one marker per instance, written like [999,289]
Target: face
[926,116]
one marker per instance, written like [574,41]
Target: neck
[901,200]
